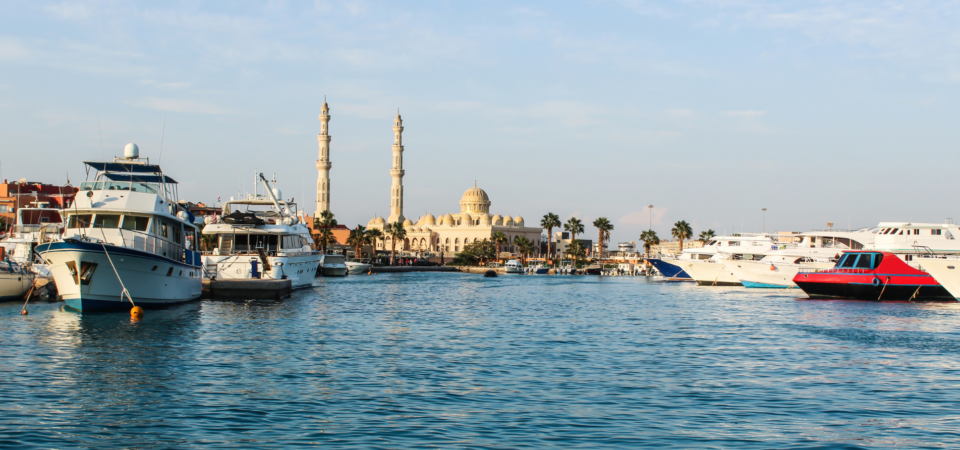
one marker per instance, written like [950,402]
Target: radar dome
[131,151]
[276,193]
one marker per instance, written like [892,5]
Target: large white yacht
[908,240]
[743,247]
[816,250]
[126,240]
[263,238]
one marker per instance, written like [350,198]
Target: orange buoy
[23,312]
[773,267]
[136,312]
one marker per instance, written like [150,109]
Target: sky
[709,110]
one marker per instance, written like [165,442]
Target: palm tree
[706,236]
[649,238]
[525,247]
[396,231]
[324,220]
[575,250]
[373,234]
[549,221]
[573,226]
[357,239]
[499,239]
[605,227]
[681,230]
[324,237]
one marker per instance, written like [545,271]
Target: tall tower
[396,172]
[323,163]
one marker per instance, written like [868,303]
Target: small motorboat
[15,281]
[594,269]
[358,267]
[871,275]
[332,266]
[513,266]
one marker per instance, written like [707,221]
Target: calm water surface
[456,360]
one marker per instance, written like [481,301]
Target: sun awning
[123,167]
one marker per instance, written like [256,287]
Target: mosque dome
[496,220]
[475,200]
[429,220]
[407,223]
[485,219]
[507,220]
[376,221]
[518,221]
[448,220]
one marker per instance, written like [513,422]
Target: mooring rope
[125,291]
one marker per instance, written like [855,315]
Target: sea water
[463,361]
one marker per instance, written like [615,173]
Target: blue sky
[708,109]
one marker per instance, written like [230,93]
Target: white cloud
[680,112]
[747,114]
[72,10]
[11,49]
[182,106]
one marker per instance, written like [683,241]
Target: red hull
[877,276]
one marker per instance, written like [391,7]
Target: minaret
[323,164]
[396,172]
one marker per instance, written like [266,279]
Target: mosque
[448,233]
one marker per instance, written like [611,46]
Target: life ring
[876,282]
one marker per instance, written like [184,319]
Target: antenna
[103,152]
[162,133]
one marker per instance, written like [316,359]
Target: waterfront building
[562,240]
[448,233]
[323,161]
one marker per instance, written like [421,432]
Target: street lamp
[764,219]
[651,217]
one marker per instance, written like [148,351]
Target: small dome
[429,220]
[375,222]
[407,223]
[507,220]
[485,219]
[518,221]
[496,220]
[448,220]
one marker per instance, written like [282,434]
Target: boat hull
[945,271]
[14,285]
[355,268]
[150,279]
[710,273]
[766,275]
[860,291]
[300,268]
[334,271]
[669,269]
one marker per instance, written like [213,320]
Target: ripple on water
[453,360]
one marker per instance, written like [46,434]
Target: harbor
[479,225]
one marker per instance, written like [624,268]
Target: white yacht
[513,266]
[712,272]
[816,250]
[35,224]
[126,240]
[908,240]
[15,281]
[332,266]
[262,238]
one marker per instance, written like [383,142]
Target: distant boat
[332,266]
[358,267]
[513,266]
[594,269]
[669,269]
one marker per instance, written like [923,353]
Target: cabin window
[291,242]
[81,221]
[894,231]
[138,223]
[865,261]
[848,260]
[936,232]
[106,221]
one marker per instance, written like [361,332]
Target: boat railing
[922,249]
[149,188]
[142,241]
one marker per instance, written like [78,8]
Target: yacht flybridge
[126,241]
[261,237]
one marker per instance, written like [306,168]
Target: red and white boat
[871,275]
